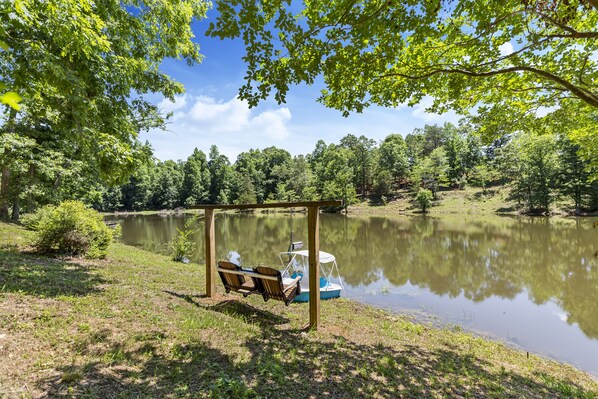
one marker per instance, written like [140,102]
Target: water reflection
[470,270]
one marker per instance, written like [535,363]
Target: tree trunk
[16,210]
[363,183]
[4,193]
[4,180]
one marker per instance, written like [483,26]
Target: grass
[471,201]
[136,325]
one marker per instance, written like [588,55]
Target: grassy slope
[468,201]
[134,325]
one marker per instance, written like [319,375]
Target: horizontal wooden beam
[308,204]
[247,273]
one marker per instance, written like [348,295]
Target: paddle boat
[297,263]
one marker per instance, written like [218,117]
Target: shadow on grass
[239,310]
[376,201]
[483,195]
[188,298]
[45,277]
[288,364]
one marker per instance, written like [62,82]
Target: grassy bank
[135,325]
[470,201]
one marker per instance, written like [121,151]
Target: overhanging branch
[583,94]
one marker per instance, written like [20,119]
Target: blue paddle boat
[298,264]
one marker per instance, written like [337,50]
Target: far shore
[470,201]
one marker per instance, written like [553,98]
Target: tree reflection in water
[477,257]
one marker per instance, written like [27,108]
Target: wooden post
[313,235]
[210,253]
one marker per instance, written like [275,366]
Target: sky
[209,113]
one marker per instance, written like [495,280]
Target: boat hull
[329,292]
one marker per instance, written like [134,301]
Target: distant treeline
[539,169]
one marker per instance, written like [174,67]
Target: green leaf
[11,99]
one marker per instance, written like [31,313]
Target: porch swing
[263,280]
[269,283]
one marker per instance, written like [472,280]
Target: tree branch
[576,35]
[581,93]
[593,3]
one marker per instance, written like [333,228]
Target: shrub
[183,245]
[71,229]
[31,220]
[424,199]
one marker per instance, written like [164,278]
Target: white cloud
[272,123]
[168,106]
[218,116]
[420,112]
[506,49]
[203,120]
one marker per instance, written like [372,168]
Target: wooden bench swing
[267,282]
[263,280]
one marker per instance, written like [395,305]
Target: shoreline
[470,202]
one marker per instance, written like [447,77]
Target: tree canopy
[511,62]
[82,68]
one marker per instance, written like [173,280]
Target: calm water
[530,282]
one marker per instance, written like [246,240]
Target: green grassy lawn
[136,325]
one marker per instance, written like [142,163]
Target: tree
[383,182]
[424,199]
[362,160]
[415,147]
[483,175]
[32,174]
[251,176]
[532,161]
[196,180]
[245,190]
[431,172]
[501,57]
[137,193]
[273,158]
[392,156]
[221,176]
[455,148]
[334,174]
[463,154]
[167,184]
[573,173]
[83,69]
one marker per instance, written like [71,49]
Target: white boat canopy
[325,257]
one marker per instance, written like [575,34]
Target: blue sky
[209,112]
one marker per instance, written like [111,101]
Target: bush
[424,199]
[71,229]
[31,220]
[183,245]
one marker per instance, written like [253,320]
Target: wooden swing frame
[313,243]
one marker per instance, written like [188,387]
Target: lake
[530,282]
